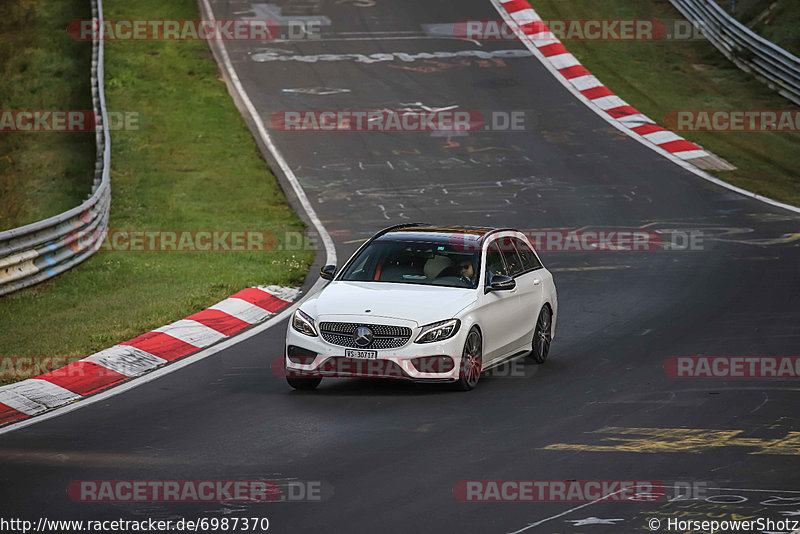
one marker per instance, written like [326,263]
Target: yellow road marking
[657,440]
[761,242]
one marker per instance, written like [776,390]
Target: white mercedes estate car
[425,303]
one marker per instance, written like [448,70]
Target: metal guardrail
[770,63]
[38,251]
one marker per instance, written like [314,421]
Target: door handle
[536,281]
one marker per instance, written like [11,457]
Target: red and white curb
[536,32]
[142,354]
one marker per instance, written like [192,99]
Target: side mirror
[501,282]
[327,272]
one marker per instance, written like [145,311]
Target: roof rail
[487,234]
[398,226]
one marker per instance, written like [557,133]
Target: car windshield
[415,262]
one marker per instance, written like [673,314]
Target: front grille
[386,336]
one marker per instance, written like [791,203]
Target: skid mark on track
[268,56]
[479,197]
[594,268]
[429,66]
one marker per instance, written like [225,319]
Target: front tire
[542,336]
[304,383]
[471,361]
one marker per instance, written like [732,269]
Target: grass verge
[657,77]
[191,165]
[43,174]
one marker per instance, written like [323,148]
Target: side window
[529,259]
[494,261]
[509,252]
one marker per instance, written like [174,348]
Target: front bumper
[331,361]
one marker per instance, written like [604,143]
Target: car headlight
[438,331]
[303,323]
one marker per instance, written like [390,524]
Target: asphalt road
[389,453]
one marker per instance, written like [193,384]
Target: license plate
[361,354]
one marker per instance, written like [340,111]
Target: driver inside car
[466,271]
